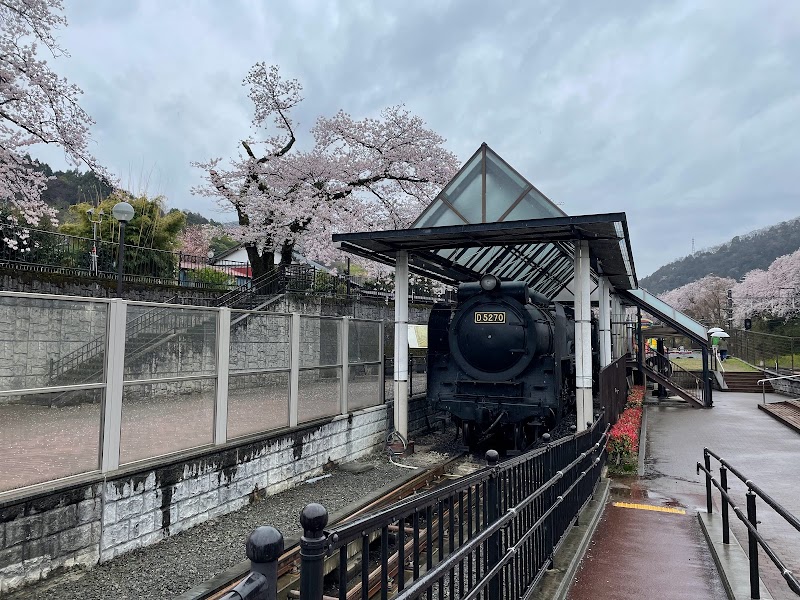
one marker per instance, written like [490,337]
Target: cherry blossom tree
[371,173]
[196,240]
[774,292]
[36,106]
[704,300]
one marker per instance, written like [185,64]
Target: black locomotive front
[501,362]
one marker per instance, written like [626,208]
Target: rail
[53,252]
[763,382]
[491,534]
[750,519]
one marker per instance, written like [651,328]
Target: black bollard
[313,546]
[264,548]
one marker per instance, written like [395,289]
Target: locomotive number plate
[490,317]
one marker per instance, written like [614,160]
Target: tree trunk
[261,264]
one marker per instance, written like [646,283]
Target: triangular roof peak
[487,190]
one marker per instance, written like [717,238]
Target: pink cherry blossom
[359,174]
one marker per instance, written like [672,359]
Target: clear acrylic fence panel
[364,341]
[320,341]
[162,341]
[259,341]
[257,402]
[364,386]
[320,393]
[47,342]
[161,418]
[49,436]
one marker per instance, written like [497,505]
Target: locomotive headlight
[489,282]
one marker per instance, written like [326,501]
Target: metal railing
[681,378]
[766,350]
[750,518]
[763,382]
[53,252]
[491,534]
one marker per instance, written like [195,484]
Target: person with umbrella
[719,341]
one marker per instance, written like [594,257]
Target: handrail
[750,520]
[762,383]
[698,392]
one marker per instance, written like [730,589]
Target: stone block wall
[100,519]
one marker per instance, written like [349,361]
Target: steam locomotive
[502,362]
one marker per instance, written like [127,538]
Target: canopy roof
[490,219]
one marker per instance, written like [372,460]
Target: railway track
[288,564]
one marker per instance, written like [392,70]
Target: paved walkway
[639,553]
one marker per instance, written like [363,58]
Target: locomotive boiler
[502,361]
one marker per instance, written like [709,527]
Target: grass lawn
[696,364]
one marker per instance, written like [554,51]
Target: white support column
[345,354]
[605,321]
[583,336]
[294,366]
[401,344]
[614,328]
[381,353]
[223,364]
[114,367]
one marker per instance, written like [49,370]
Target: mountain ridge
[734,258]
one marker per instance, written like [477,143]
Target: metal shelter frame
[490,219]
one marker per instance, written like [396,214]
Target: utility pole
[730,310]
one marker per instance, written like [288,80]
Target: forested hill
[755,250]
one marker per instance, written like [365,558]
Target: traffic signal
[748,324]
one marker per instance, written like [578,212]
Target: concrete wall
[97,520]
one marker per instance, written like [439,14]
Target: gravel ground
[187,559]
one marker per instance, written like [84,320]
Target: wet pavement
[637,553]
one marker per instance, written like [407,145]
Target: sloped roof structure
[490,219]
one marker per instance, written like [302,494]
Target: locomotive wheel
[470,434]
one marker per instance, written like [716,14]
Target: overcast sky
[685,115]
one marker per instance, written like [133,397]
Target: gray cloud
[682,114]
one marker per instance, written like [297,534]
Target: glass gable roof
[490,219]
[488,190]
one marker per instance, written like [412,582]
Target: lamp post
[95,218]
[123,212]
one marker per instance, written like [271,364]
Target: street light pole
[123,212]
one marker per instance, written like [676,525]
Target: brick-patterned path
[646,554]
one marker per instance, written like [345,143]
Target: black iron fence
[614,388]
[777,353]
[52,252]
[417,375]
[749,518]
[491,534]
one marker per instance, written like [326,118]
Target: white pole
[605,322]
[401,344]
[583,336]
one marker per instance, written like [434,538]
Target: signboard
[417,336]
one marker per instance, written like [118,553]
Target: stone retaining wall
[101,518]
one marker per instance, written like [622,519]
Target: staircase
[745,382]
[693,396]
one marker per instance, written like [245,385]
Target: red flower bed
[623,439]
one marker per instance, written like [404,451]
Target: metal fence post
[115,368]
[294,373]
[345,353]
[223,363]
[492,458]
[313,518]
[752,545]
[707,461]
[723,481]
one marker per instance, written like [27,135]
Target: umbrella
[720,334]
[715,329]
